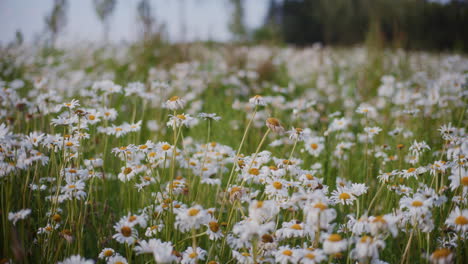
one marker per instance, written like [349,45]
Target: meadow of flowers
[232,154]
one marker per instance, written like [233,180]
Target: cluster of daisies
[382,179]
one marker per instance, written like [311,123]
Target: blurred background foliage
[411,24]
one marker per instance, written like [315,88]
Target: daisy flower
[106,253]
[174,103]
[290,229]
[153,230]
[76,259]
[214,230]
[243,257]
[314,145]
[191,256]
[343,195]
[334,244]
[372,131]
[257,100]
[442,256]
[274,124]
[367,248]
[285,255]
[209,116]
[458,219]
[311,256]
[125,233]
[192,217]
[262,211]
[459,178]
[117,259]
[20,215]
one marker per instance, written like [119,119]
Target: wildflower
[207,116]
[214,230]
[262,211]
[162,251]
[442,256]
[191,256]
[372,131]
[311,256]
[285,255]
[125,233]
[71,105]
[343,196]
[367,248]
[192,217]
[459,178]
[153,230]
[76,259]
[257,100]
[181,120]
[174,103]
[106,253]
[297,134]
[20,215]
[274,124]
[418,147]
[334,244]
[383,223]
[117,260]
[458,219]
[315,145]
[290,229]
[243,257]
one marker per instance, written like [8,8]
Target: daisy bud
[175,102]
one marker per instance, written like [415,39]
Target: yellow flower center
[193,255]
[259,204]
[166,147]
[320,206]
[314,146]
[245,254]
[174,98]
[287,252]
[213,226]
[127,170]
[464,181]
[143,147]
[417,203]
[277,185]
[366,239]
[441,253]
[310,256]
[296,227]
[132,218]
[344,196]
[254,171]
[108,253]
[334,238]
[71,186]
[181,116]
[126,231]
[69,144]
[91,117]
[411,170]
[379,219]
[56,218]
[193,211]
[461,220]
[273,121]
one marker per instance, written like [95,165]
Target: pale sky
[206,19]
